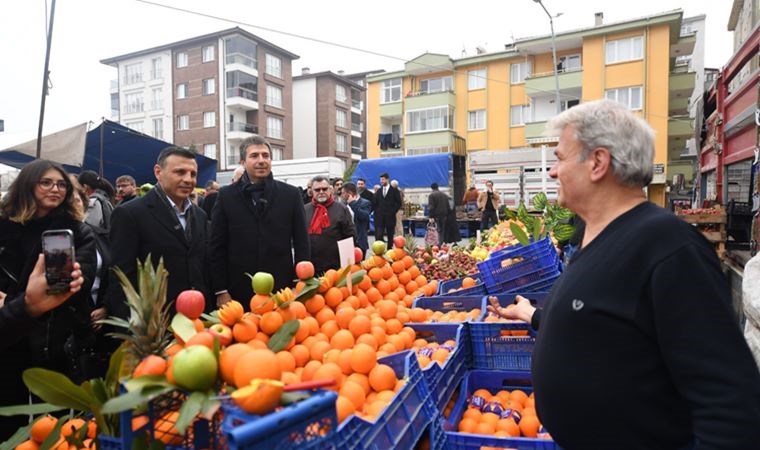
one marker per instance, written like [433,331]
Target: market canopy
[409,171]
[121,150]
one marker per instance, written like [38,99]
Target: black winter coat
[252,238]
[324,246]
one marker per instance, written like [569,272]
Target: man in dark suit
[258,225]
[163,224]
[212,191]
[387,202]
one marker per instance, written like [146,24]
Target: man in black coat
[163,224]
[212,191]
[387,202]
[258,225]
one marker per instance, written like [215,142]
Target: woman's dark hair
[90,178]
[21,206]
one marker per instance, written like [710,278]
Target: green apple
[378,247]
[263,283]
[195,368]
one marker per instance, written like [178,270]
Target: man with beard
[329,222]
[163,223]
[126,189]
[257,225]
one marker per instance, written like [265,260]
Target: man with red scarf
[329,222]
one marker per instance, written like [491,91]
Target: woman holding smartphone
[40,199]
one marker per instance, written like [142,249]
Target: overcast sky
[86,31]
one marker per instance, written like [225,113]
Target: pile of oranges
[467,282]
[73,428]
[430,352]
[503,414]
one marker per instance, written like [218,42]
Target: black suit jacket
[388,205]
[263,238]
[145,226]
[209,202]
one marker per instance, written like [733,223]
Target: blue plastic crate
[541,284]
[308,424]
[451,303]
[205,434]
[530,264]
[478,289]
[402,423]
[442,380]
[419,231]
[493,345]
[493,380]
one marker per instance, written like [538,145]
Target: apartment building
[328,116]
[501,101]
[208,93]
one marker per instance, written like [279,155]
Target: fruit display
[502,414]
[445,263]
[433,352]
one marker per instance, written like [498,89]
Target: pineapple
[147,330]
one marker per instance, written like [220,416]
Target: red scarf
[321,219]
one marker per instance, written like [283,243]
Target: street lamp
[554,56]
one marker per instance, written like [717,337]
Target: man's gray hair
[394,183]
[608,124]
[319,179]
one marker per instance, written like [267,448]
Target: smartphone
[58,247]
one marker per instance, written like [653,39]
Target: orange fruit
[245,329]
[467,425]
[468,282]
[270,322]
[257,363]
[228,358]
[509,426]
[324,315]
[72,426]
[303,330]
[301,354]
[28,445]
[42,428]
[359,325]
[387,309]
[174,349]
[333,297]
[354,392]
[287,360]
[529,426]
[309,369]
[485,428]
[329,371]
[230,312]
[318,350]
[329,328]
[363,358]
[393,326]
[261,304]
[150,365]
[165,429]
[260,397]
[360,379]
[344,316]
[201,338]
[315,304]
[344,408]
[368,339]
[382,377]
[373,295]
[342,340]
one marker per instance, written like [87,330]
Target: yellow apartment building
[498,102]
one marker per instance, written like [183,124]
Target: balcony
[237,131]
[357,106]
[681,81]
[535,130]
[430,139]
[357,129]
[242,98]
[390,110]
[541,83]
[421,99]
[680,127]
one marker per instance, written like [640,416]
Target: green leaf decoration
[563,231]
[21,435]
[140,383]
[283,336]
[190,408]
[540,201]
[342,273]
[98,390]
[537,229]
[522,213]
[210,405]
[56,389]
[563,213]
[211,318]
[519,234]
[25,410]
[183,327]
[311,286]
[294,397]
[356,278]
[134,399]
[510,213]
[54,434]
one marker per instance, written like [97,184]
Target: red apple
[221,332]
[191,303]
[358,255]
[399,241]
[305,270]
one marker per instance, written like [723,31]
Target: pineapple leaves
[56,389]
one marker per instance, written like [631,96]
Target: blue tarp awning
[410,171]
[123,152]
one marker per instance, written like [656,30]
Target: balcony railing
[357,127]
[240,58]
[242,92]
[358,104]
[133,108]
[418,93]
[242,126]
[133,79]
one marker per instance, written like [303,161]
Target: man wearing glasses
[329,222]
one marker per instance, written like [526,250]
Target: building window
[569,63]
[183,122]
[134,103]
[239,50]
[209,151]
[274,96]
[518,115]
[476,79]
[241,84]
[207,54]
[137,125]
[181,91]
[181,59]
[432,85]
[209,86]
[391,91]
[233,157]
[628,96]
[155,68]
[209,119]
[273,66]
[431,119]
[626,49]
[277,153]
[158,128]
[341,142]
[157,100]
[341,118]
[340,93]
[519,72]
[476,120]
[274,127]
[133,73]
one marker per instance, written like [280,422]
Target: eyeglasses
[47,183]
[320,189]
